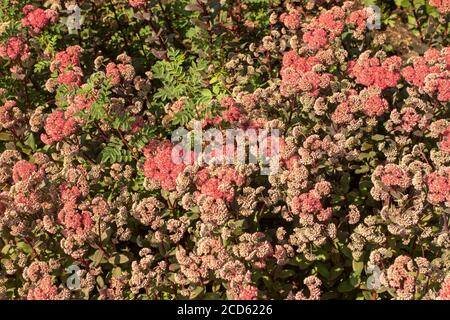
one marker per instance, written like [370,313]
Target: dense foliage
[89,191]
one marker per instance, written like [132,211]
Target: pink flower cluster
[444,145]
[69,216]
[7,113]
[22,170]
[375,106]
[78,104]
[431,73]
[37,18]
[444,293]
[438,184]
[230,114]
[372,72]
[393,176]
[67,64]
[442,5]
[291,20]
[220,185]
[159,166]
[323,30]
[248,292]
[309,203]
[298,76]
[358,18]
[15,48]
[44,290]
[410,119]
[57,127]
[118,72]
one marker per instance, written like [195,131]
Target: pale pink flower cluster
[44,289]
[400,277]
[313,284]
[388,180]
[8,114]
[77,104]
[394,176]
[137,3]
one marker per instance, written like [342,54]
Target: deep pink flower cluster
[15,48]
[438,184]
[57,127]
[291,20]
[159,166]
[372,72]
[37,18]
[230,114]
[67,64]
[210,185]
[442,5]
[297,75]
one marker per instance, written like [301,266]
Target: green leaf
[196,292]
[119,259]
[5,136]
[358,266]
[31,141]
[25,247]
[345,286]
[286,273]
[97,257]
[323,270]
[378,137]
